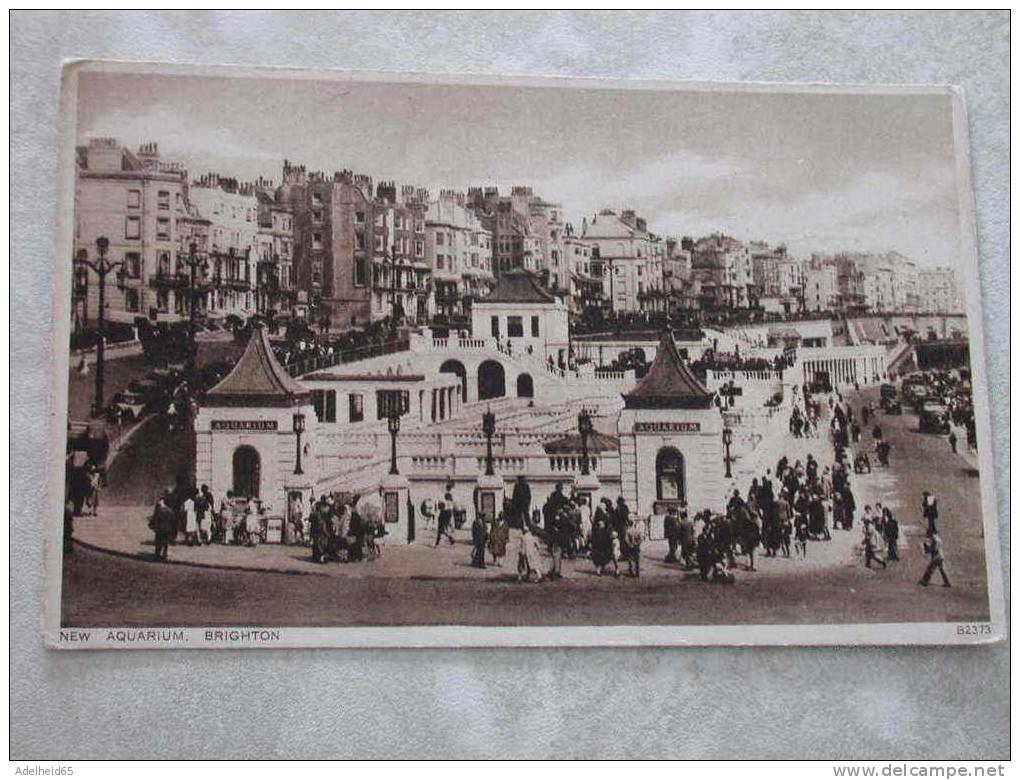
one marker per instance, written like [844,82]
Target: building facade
[139,203]
[458,250]
[630,261]
[721,267]
[939,291]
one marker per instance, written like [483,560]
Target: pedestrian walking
[871,543]
[952,441]
[602,545]
[520,503]
[933,548]
[528,556]
[930,510]
[891,531]
[95,482]
[498,538]
[479,538]
[671,530]
[444,523]
[190,521]
[163,523]
[204,508]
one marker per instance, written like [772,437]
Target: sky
[817,172]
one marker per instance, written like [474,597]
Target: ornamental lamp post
[584,427]
[101,267]
[299,428]
[394,408]
[193,264]
[727,438]
[488,428]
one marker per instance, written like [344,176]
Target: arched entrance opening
[456,367]
[247,472]
[491,380]
[525,386]
[669,475]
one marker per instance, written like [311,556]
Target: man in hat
[929,510]
[933,547]
[164,525]
[520,503]
[671,530]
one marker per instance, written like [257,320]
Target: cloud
[582,190]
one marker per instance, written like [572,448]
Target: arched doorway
[247,472]
[491,380]
[456,367]
[669,475]
[525,386]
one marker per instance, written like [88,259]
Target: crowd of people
[566,527]
[335,529]
[302,346]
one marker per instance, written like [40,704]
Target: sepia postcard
[400,360]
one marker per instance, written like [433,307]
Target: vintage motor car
[130,406]
[934,418]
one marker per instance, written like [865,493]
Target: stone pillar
[395,490]
[490,496]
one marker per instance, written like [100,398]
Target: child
[802,537]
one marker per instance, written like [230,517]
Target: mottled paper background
[707,703]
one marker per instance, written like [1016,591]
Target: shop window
[514,327]
[534,327]
[495,327]
[131,302]
[356,407]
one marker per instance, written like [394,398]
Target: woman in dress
[498,536]
[528,556]
[190,521]
[602,545]
[251,524]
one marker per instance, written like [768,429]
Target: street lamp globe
[299,423]
[102,244]
[393,422]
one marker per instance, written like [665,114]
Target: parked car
[129,405]
[151,392]
[934,418]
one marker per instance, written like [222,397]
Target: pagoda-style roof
[258,379]
[669,383]
[571,444]
[518,287]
